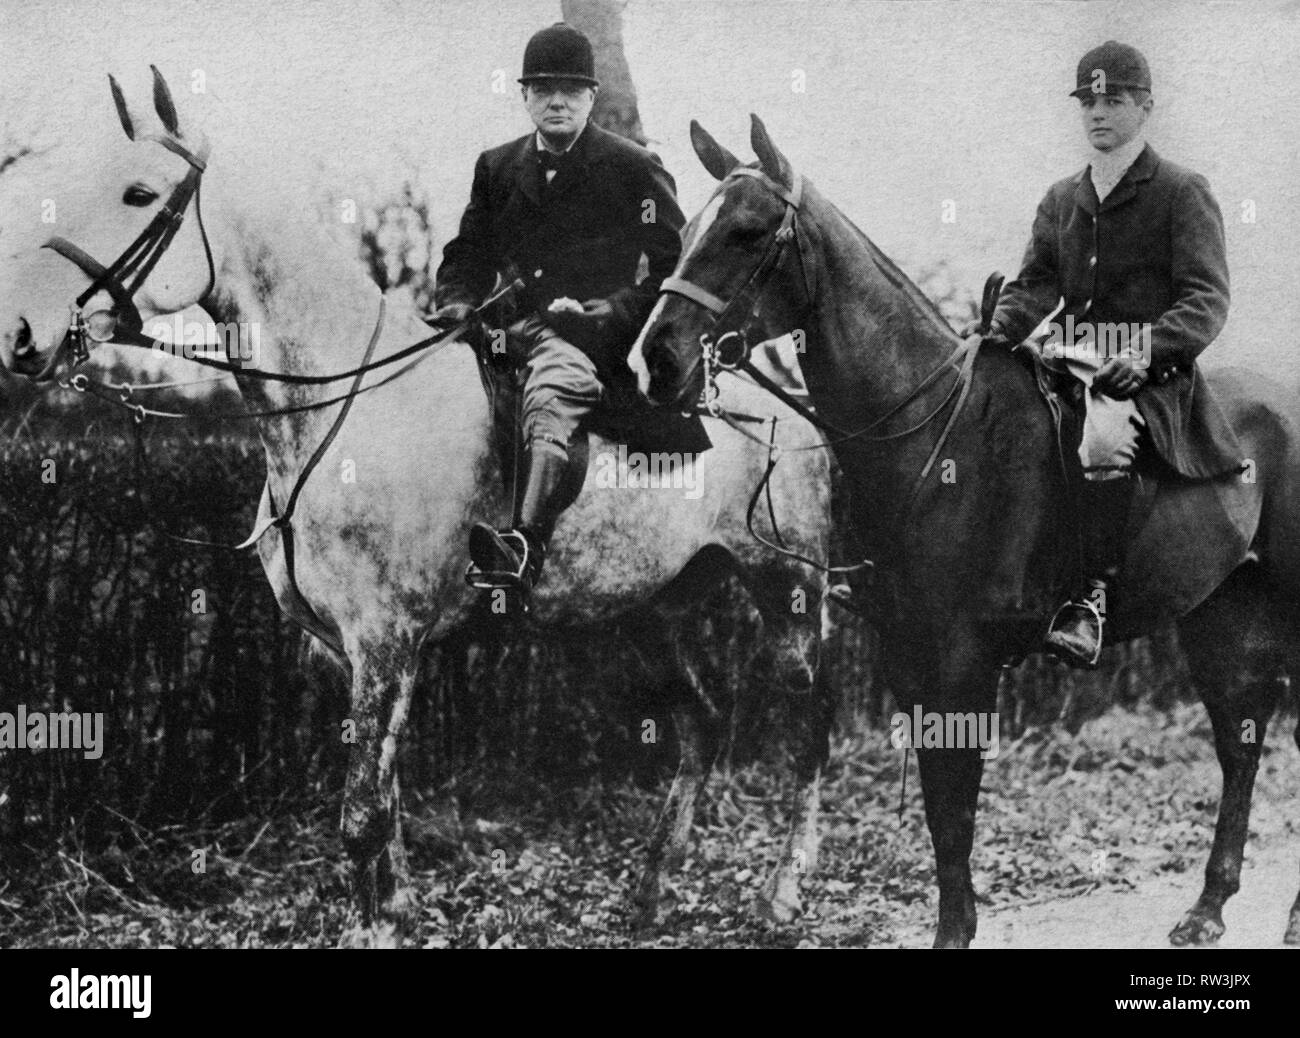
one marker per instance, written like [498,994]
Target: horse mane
[266,210]
[892,273]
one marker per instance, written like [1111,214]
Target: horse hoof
[380,935]
[780,902]
[1196,931]
[403,908]
[651,905]
[646,915]
[647,918]
[957,934]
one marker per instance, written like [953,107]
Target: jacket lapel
[585,151]
[1143,168]
[1085,195]
[526,174]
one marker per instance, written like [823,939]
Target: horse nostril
[23,341]
[659,363]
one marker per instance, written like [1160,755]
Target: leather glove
[994,335]
[1119,378]
[449,315]
[583,329]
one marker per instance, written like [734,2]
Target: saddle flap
[624,417]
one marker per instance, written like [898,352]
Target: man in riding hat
[1133,247]
[570,209]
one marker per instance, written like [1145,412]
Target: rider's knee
[1111,434]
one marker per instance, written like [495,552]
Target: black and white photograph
[675,474]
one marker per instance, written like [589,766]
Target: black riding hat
[1112,67]
[559,52]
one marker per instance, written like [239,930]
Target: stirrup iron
[508,579]
[1091,607]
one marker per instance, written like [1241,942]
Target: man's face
[1110,120]
[559,108]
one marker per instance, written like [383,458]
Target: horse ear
[717,159]
[163,104]
[123,115]
[774,164]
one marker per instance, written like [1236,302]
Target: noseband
[726,345]
[126,275]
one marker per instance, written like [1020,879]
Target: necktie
[548,161]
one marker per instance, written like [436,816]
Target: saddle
[624,417]
[1207,524]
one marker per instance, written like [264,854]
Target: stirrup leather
[1091,607]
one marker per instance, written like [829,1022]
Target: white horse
[381,528]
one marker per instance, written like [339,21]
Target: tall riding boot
[1076,630]
[513,558]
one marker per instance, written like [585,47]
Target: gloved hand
[450,315]
[1119,378]
[585,328]
[995,334]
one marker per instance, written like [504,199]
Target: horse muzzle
[18,347]
[669,379]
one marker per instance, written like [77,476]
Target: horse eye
[139,196]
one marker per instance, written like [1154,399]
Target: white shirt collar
[1108,167]
[541,144]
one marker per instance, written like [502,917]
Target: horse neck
[315,312]
[875,341]
[877,335]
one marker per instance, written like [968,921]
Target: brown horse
[380,530]
[953,463]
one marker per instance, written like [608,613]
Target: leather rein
[725,346]
[122,324]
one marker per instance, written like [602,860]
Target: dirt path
[1142,918]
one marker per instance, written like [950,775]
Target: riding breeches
[561,388]
[1110,435]
[1110,427]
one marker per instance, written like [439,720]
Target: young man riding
[1134,247]
[570,209]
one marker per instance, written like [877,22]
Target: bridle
[725,346]
[122,323]
[126,275]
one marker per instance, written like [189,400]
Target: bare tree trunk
[602,21]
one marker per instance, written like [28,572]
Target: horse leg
[1232,653]
[670,839]
[672,664]
[950,780]
[781,900]
[947,677]
[1292,935]
[371,825]
[812,711]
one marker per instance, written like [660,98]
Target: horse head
[125,252]
[741,276]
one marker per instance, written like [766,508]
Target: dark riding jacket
[582,236]
[1152,253]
